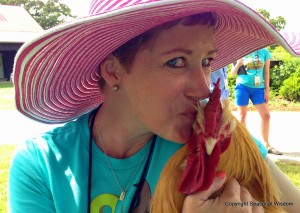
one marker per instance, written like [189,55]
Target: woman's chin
[181,137]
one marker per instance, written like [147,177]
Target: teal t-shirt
[49,173]
[254,64]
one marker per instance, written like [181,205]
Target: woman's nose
[199,84]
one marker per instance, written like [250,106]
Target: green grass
[6,152]
[291,169]
[7,96]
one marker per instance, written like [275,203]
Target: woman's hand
[236,67]
[234,198]
[239,62]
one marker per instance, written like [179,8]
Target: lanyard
[255,60]
[136,198]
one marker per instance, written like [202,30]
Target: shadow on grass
[6,84]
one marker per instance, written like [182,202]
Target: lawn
[291,169]
[7,94]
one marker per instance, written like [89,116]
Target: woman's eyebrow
[187,51]
[182,50]
[212,51]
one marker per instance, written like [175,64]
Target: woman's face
[167,78]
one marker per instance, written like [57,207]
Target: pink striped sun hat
[55,75]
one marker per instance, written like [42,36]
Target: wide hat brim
[56,74]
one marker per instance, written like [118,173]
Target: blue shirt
[254,64]
[222,74]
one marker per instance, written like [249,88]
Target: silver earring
[115,88]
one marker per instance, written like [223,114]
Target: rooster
[219,143]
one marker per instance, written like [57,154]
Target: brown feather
[242,160]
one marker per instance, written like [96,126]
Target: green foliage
[286,76]
[47,14]
[231,84]
[278,22]
[290,89]
[286,68]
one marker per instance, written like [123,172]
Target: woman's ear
[110,70]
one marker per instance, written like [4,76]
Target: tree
[278,22]
[47,14]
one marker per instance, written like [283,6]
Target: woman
[254,85]
[152,61]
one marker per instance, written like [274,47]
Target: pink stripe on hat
[293,40]
[56,74]
[109,5]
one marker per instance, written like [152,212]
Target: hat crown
[103,6]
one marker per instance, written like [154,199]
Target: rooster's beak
[210,145]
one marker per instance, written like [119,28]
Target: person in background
[254,85]
[126,81]
[222,74]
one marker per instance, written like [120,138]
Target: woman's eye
[206,62]
[176,62]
